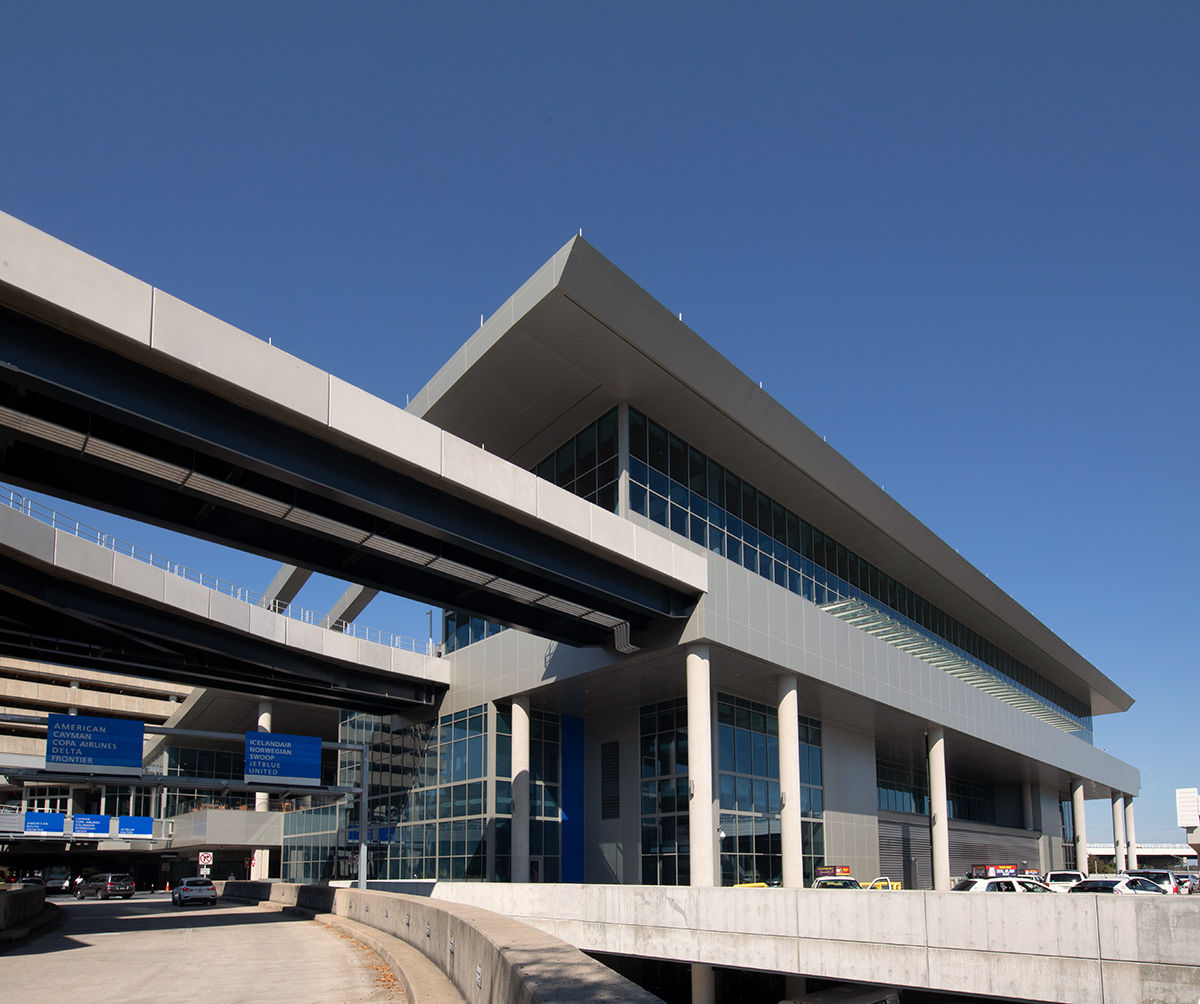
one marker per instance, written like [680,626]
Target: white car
[194,890]
[1062,881]
[1120,885]
[1018,883]
[836,882]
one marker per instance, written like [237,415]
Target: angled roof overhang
[580,336]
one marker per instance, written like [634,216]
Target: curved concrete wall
[490,959]
[1054,947]
[20,904]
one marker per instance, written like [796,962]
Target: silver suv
[194,890]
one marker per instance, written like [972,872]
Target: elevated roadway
[118,395]
[69,600]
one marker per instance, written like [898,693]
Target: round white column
[520,789]
[1118,814]
[704,984]
[1078,814]
[260,863]
[1027,805]
[700,783]
[939,824]
[1131,855]
[789,783]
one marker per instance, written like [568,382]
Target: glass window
[637,436]
[585,449]
[564,465]
[657,447]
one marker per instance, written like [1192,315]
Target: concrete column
[73,690]
[1027,805]
[1131,855]
[262,799]
[789,783]
[1077,813]
[700,780]
[520,790]
[704,983]
[260,862]
[939,823]
[623,458]
[794,987]
[1118,811]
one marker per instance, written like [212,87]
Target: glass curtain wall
[748,792]
[428,812]
[678,487]
[1066,811]
[904,787]
[665,827]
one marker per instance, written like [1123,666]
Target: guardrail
[52,518]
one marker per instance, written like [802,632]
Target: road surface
[147,951]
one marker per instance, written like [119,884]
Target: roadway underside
[46,618]
[83,423]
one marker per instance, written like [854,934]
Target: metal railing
[52,518]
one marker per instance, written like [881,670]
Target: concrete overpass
[70,600]
[118,395]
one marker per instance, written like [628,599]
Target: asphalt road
[147,951]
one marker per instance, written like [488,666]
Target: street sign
[283,759]
[84,745]
[206,857]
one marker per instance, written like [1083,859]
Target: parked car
[106,884]
[1119,884]
[836,882]
[1018,883]
[1159,876]
[1062,881]
[194,890]
[58,879]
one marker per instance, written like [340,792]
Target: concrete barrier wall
[20,904]
[1060,947]
[490,958]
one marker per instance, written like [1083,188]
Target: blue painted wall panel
[572,799]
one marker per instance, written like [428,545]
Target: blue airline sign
[84,825]
[85,745]
[283,759]
[45,823]
[135,827]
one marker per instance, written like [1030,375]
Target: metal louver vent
[610,780]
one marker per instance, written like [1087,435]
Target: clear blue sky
[958,240]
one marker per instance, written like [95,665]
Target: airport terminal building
[846,691]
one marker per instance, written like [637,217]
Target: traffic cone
[168,889]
